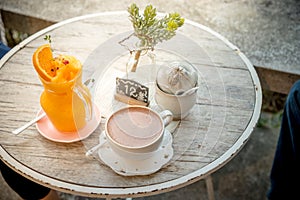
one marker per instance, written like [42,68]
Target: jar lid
[176,76]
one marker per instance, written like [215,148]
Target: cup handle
[83,93]
[167,117]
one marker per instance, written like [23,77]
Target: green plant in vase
[151,30]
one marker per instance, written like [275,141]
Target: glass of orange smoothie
[65,99]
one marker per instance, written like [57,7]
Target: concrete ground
[268,32]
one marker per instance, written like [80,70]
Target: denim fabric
[3,49]
[285,171]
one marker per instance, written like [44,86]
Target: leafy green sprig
[48,38]
[151,30]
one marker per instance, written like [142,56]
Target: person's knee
[296,86]
[293,101]
[294,94]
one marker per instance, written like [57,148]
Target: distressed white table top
[227,109]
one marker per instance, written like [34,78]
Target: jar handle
[167,117]
[83,93]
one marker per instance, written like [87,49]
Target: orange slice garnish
[58,69]
[42,62]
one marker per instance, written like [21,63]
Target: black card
[132,89]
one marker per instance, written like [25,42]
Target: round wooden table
[227,109]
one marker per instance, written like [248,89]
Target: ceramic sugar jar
[176,88]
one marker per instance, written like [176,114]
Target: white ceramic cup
[136,131]
[179,105]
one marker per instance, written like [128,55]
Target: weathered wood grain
[227,109]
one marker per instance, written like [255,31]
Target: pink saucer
[46,129]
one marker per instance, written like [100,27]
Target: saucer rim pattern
[126,162]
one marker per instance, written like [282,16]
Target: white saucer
[47,130]
[130,167]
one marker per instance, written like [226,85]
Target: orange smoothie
[65,100]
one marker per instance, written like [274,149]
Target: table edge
[151,189]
